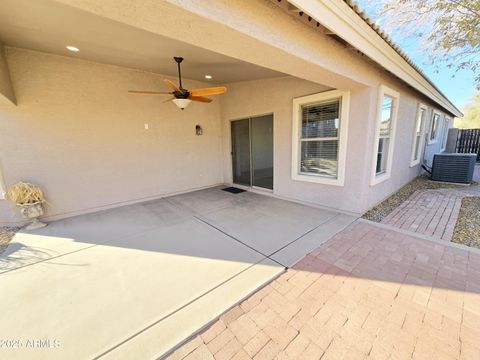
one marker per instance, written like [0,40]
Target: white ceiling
[47,26]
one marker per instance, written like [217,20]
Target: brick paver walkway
[428,212]
[366,293]
[432,212]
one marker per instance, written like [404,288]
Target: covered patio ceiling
[49,26]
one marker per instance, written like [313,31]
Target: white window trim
[3,187]
[435,139]
[342,137]
[384,90]
[422,135]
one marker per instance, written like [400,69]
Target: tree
[471,120]
[449,30]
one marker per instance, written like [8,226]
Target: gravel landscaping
[6,235]
[467,230]
[387,206]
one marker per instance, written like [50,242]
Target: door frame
[252,187]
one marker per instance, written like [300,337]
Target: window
[319,137]
[384,134]
[444,133]
[418,135]
[432,137]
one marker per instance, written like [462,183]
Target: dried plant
[25,193]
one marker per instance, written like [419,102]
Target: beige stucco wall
[6,90]
[435,147]
[255,31]
[401,172]
[250,98]
[78,134]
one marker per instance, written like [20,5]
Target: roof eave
[352,25]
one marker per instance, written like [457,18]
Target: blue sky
[459,86]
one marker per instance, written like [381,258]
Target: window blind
[319,138]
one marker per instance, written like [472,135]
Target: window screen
[418,134]
[319,138]
[434,127]
[385,135]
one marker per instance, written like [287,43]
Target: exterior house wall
[255,31]
[435,147]
[275,96]
[402,172]
[251,98]
[308,54]
[78,134]
[240,28]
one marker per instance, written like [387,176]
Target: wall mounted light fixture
[198,130]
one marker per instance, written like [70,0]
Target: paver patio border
[211,322]
[420,236]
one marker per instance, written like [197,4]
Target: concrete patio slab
[79,232]
[137,280]
[199,202]
[267,225]
[165,335]
[295,251]
[125,287]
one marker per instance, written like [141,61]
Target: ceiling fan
[180,96]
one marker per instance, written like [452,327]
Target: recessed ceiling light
[208,77]
[73,48]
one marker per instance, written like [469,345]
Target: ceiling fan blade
[171,85]
[161,93]
[200,99]
[169,99]
[208,91]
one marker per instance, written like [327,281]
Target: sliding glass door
[252,151]
[262,151]
[241,152]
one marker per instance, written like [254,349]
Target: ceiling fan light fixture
[181,96]
[182,103]
[72,48]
